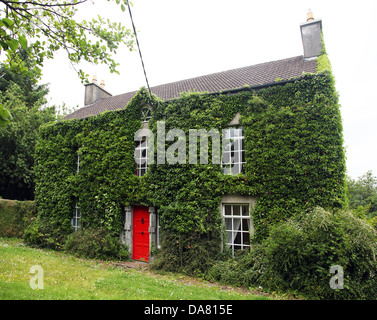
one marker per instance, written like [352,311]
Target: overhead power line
[138,46]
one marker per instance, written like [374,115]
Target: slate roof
[253,76]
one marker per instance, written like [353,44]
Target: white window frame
[76,220]
[142,159]
[233,155]
[237,235]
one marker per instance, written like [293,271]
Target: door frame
[127,234]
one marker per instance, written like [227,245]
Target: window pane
[236,224]
[246,238]
[236,211]
[237,237]
[245,210]
[231,134]
[237,144]
[236,168]
[245,224]
[226,157]
[228,210]
[228,223]
[229,239]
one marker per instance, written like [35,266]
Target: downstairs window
[237,225]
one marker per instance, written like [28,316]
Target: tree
[45,26]
[17,143]
[25,100]
[31,91]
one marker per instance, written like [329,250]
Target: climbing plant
[294,161]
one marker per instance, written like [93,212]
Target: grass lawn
[66,277]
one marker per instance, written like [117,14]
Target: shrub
[190,254]
[299,253]
[96,244]
[15,216]
[45,234]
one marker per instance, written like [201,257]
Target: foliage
[30,91]
[5,116]
[43,27]
[19,138]
[96,244]
[15,216]
[191,255]
[300,252]
[362,196]
[44,233]
[294,161]
[297,256]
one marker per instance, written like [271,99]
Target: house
[282,152]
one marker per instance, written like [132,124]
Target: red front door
[140,233]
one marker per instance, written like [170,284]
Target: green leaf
[13,44]
[7,22]
[5,116]
[23,42]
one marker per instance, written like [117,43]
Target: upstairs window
[141,157]
[233,151]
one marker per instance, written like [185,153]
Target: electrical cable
[138,46]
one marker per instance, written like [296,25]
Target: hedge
[15,216]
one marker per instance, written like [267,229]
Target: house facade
[202,165]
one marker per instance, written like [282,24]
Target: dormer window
[233,151]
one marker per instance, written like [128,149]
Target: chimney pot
[310,16]
[94,79]
[102,84]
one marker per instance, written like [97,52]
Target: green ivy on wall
[294,161]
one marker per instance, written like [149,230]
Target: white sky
[180,39]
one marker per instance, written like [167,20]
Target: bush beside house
[15,216]
[298,255]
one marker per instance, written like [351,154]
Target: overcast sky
[181,39]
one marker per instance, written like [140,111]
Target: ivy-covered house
[200,166]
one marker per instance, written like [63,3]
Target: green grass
[66,277]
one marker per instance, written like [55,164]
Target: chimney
[95,92]
[311,34]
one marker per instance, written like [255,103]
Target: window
[233,151]
[76,220]
[146,114]
[237,225]
[141,157]
[78,163]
